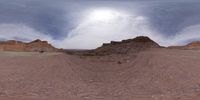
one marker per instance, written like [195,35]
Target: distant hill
[190,46]
[194,45]
[127,46]
[34,46]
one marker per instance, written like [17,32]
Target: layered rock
[12,45]
[39,45]
[191,46]
[127,46]
[194,45]
[34,46]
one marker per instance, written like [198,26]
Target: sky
[86,24]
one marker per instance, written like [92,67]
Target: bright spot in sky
[104,15]
[102,25]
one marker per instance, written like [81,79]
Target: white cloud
[90,33]
[188,33]
[94,30]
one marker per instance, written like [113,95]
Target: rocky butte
[34,46]
[194,45]
[190,46]
[127,46]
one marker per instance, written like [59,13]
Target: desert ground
[153,74]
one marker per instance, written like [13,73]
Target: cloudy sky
[86,24]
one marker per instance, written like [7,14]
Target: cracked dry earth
[155,74]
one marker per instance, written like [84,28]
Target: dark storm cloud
[46,16]
[171,17]
[57,18]
[167,17]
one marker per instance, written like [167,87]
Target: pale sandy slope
[156,74]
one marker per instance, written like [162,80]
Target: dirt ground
[155,74]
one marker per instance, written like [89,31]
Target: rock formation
[34,46]
[126,46]
[39,45]
[191,46]
[194,45]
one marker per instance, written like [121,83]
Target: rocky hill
[191,46]
[34,46]
[127,46]
[194,45]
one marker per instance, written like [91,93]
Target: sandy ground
[156,74]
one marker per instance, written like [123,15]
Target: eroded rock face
[194,45]
[39,45]
[191,46]
[34,46]
[127,46]
[12,45]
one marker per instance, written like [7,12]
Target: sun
[103,15]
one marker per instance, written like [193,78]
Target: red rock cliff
[34,46]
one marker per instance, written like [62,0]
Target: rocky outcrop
[191,46]
[12,45]
[127,46]
[34,46]
[194,45]
[39,45]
